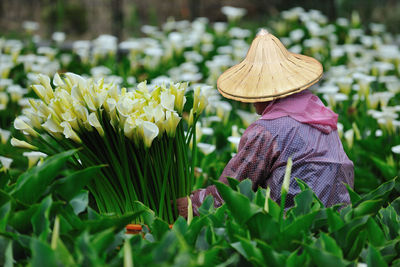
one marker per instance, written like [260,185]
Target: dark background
[123,18]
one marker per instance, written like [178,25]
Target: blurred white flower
[396,149]
[58,37]
[206,148]
[30,26]
[233,13]
[5,162]
[33,157]
[234,140]
[4,135]
[349,137]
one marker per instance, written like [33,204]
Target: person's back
[318,159]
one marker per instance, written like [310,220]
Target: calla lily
[206,148]
[21,125]
[22,144]
[349,137]
[52,125]
[33,157]
[149,131]
[6,162]
[69,132]
[94,121]
[167,100]
[171,122]
[4,135]
[396,149]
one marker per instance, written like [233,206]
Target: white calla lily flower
[22,144]
[33,157]
[94,121]
[21,125]
[6,162]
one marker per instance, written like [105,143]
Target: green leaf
[329,244]
[32,184]
[245,187]
[233,183]
[240,206]
[295,230]
[21,220]
[147,215]
[303,202]
[40,220]
[381,192]
[4,214]
[159,228]
[368,207]
[9,260]
[70,186]
[390,221]
[102,240]
[356,246]
[375,234]
[42,254]
[249,250]
[4,197]
[270,254]
[207,206]
[354,197]
[346,236]
[263,226]
[324,258]
[374,257]
[80,202]
[195,227]
[116,222]
[388,171]
[259,198]
[335,222]
[63,255]
[297,259]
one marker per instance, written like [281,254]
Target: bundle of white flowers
[139,135]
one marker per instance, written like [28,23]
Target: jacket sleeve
[256,152]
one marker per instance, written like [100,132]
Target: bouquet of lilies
[139,135]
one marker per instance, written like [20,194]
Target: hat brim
[267,74]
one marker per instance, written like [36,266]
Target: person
[294,123]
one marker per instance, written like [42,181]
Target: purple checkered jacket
[317,154]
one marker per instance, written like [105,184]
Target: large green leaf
[239,205]
[42,254]
[70,186]
[263,226]
[368,207]
[375,234]
[374,257]
[32,184]
[381,192]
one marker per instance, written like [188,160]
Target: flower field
[99,134]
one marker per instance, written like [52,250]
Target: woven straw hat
[269,71]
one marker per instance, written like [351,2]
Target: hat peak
[262,32]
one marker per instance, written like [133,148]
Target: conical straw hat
[269,71]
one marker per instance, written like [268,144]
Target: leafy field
[48,166]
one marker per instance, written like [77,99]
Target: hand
[182,205]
